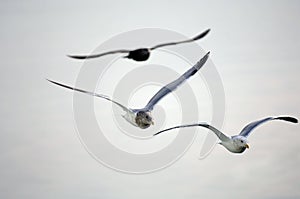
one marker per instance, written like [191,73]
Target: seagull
[141,54]
[142,117]
[237,143]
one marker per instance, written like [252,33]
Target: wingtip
[204,58]
[294,120]
[207,54]
[289,119]
[155,134]
[49,80]
[70,56]
[54,82]
[201,35]
[207,31]
[77,56]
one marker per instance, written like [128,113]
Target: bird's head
[144,119]
[241,142]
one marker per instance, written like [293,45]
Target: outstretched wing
[247,129]
[98,55]
[218,133]
[201,35]
[173,85]
[91,93]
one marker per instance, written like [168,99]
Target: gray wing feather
[173,85]
[250,127]
[91,93]
[98,55]
[218,133]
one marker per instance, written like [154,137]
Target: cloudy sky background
[255,47]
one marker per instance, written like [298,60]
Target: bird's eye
[147,117]
[242,141]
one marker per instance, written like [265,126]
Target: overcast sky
[255,48]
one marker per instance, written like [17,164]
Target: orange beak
[247,146]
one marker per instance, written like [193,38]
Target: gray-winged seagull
[142,117]
[236,143]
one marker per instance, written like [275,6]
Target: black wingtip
[288,118]
[157,133]
[77,56]
[202,61]
[49,80]
[203,34]
[53,82]
[206,56]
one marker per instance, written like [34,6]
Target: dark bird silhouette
[141,54]
[142,117]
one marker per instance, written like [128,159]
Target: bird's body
[141,54]
[237,143]
[142,117]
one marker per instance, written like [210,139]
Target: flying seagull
[142,117]
[141,54]
[236,143]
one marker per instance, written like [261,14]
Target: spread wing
[201,35]
[248,129]
[92,94]
[173,85]
[98,55]
[218,133]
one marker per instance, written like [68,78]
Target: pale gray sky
[255,47]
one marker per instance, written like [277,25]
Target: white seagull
[236,143]
[142,117]
[141,54]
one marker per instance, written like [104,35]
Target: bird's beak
[247,146]
[152,122]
